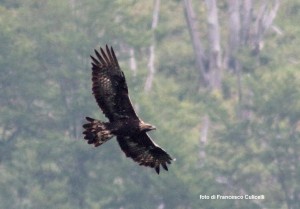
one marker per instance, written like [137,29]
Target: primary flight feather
[111,94]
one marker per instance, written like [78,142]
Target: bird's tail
[96,132]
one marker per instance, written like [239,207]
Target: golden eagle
[111,93]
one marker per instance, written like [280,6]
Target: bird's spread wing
[144,151]
[109,86]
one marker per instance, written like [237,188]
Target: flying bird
[111,93]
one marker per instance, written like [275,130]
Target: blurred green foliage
[45,93]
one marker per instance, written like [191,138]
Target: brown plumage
[111,94]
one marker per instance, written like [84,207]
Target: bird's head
[146,127]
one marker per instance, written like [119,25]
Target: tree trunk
[197,45]
[247,16]
[215,48]
[132,61]
[151,63]
[234,34]
[243,32]
[264,20]
[203,138]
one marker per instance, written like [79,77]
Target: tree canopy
[220,84]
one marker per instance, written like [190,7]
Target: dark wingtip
[94,60]
[170,159]
[104,56]
[102,51]
[164,166]
[87,125]
[89,119]
[157,169]
[100,57]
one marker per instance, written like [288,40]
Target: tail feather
[96,132]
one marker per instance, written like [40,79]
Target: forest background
[219,79]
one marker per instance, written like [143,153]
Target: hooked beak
[153,128]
